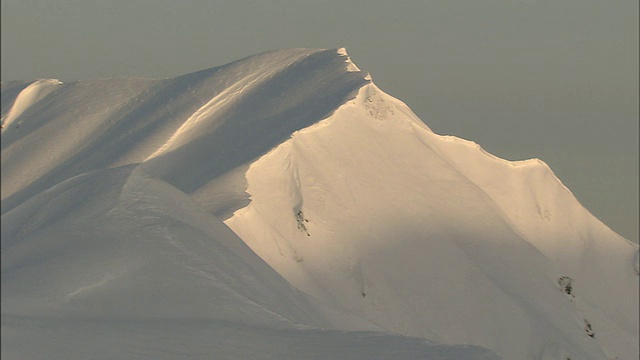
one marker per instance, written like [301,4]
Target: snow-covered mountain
[282,206]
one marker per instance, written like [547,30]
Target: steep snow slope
[337,186]
[430,236]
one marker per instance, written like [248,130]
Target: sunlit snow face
[554,80]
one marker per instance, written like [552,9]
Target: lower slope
[116,264]
[177,339]
[117,243]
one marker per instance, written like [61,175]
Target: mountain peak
[203,200]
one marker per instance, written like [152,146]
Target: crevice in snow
[566,284]
[301,220]
[589,329]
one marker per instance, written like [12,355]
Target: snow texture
[283,206]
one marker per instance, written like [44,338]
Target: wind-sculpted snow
[350,229]
[226,116]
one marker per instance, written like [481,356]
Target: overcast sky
[552,79]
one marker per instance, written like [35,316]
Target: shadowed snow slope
[349,217]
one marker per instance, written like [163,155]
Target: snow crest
[33,93]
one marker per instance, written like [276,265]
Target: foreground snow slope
[335,185]
[138,270]
[177,339]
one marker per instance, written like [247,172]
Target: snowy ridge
[131,120]
[33,93]
[349,226]
[193,127]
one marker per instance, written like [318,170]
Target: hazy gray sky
[551,79]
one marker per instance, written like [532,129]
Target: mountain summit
[283,206]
